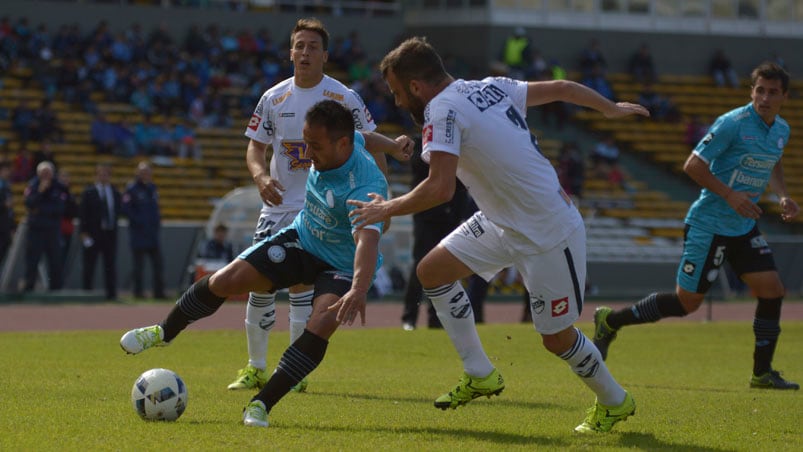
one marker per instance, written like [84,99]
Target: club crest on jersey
[296,152]
[780,143]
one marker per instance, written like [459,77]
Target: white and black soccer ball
[159,395]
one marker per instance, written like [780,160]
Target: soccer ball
[159,395]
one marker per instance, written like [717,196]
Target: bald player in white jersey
[476,131]
[277,123]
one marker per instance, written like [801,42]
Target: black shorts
[283,260]
[704,253]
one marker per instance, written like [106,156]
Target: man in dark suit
[141,206]
[100,208]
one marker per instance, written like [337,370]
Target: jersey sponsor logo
[707,139]
[688,268]
[560,306]
[751,162]
[296,152]
[448,132]
[472,227]
[253,123]
[336,96]
[426,135]
[280,99]
[486,97]
[355,115]
[287,115]
[750,180]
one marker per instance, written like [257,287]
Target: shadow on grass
[458,433]
[430,400]
[649,442]
[684,388]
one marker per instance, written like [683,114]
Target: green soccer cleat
[469,388]
[250,377]
[139,339]
[301,386]
[601,418]
[255,414]
[772,380]
[603,334]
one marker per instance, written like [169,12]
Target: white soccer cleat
[255,414]
[139,339]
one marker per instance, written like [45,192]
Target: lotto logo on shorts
[560,306]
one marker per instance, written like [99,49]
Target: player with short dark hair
[475,129]
[320,247]
[733,163]
[275,137]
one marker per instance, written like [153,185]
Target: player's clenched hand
[789,208]
[404,148]
[270,190]
[349,305]
[368,212]
[626,109]
[742,203]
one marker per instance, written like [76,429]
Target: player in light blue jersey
[320,247]
[733,163]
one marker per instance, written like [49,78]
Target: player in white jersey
[277,123]
[476,130]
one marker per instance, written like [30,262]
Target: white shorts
[555,278]
[270,223]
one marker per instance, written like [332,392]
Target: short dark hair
[335,117]
[221,227]
[414,59]
[311,24]
[770,71]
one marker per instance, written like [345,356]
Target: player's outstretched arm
[353,302]
[436,189]
[539,93]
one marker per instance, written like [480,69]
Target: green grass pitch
[374,391]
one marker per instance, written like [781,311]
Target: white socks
[454,311]
[300,312]
[260,316]
[586,361]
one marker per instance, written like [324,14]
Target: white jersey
[278,120]
[513,184]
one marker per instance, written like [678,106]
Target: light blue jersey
[324,226]
[741,151]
